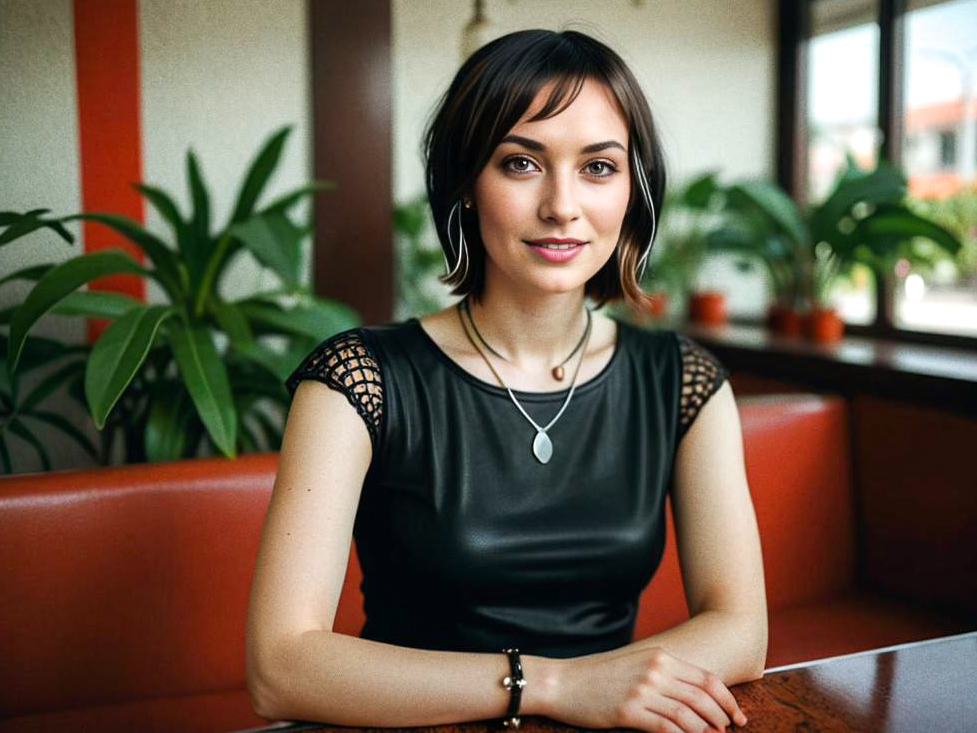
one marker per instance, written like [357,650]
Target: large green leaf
[273,362]
[57,284]
[39,351]
[317,317]
[166,207]
[117,356]
[233,322]
[410,219]
[96,304]
[769,200]
[890,224]
[206,380]
[283,203]
[699,192]
[164,204]
[258,175]
[164,258]
[200,220]
[34,273]
[275,242]
[17,225]
[886,184]
[199,247]
[166,429]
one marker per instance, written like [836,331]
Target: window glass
[842,117]
[939,156]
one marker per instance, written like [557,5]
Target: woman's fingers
[660,713]
[709,682]
[641,718]
[701,702]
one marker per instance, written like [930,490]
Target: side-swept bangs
[489,94]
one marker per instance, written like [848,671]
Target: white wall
[38,138]
[219,76]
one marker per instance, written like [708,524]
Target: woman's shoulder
[695,371]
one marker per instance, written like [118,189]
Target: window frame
[794,30]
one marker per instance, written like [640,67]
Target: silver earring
[646,194]
[460,251]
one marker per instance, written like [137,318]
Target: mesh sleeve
[702,376]
[345,363]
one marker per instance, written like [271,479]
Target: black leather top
[466,541]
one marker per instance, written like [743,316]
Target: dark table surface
[920,687]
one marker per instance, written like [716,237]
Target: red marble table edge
[870,652]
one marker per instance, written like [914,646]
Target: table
[917,687]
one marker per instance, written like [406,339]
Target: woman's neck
[531,331]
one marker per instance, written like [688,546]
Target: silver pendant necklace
[542,445]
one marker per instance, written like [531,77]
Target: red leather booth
[125,589]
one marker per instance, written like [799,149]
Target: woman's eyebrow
[536,145]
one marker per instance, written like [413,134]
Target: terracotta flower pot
[707,307]
[655,308]
[658,305]
[823,325]
[783,320]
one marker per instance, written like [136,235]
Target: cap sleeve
[344,362]
[702,376]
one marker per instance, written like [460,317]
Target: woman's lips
[554,254]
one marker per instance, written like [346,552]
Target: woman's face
[566,177]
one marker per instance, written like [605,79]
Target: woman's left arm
[719,550]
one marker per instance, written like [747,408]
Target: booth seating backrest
[131,583]
[796,450]
[127,583]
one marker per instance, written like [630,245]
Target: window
[896,78]
[842,118]
[939,51]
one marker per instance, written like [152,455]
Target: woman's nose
[560,200]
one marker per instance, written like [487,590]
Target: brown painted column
[352,257]
[793,33]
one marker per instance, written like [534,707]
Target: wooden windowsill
[936,375]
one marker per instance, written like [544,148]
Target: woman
[503,463]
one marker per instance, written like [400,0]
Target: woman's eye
[601,168]
[515,164]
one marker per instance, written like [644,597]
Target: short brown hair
[487,97]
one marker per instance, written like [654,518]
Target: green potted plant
[764,228]
[199,368]
[690,214]
[864,220]
[419,260]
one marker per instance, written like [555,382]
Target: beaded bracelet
[514,684]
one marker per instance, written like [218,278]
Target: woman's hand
[642,688]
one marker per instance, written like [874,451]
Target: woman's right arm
[299,669]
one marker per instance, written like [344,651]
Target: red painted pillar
[107,64]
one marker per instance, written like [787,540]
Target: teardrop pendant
[558,373]
[542,447]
